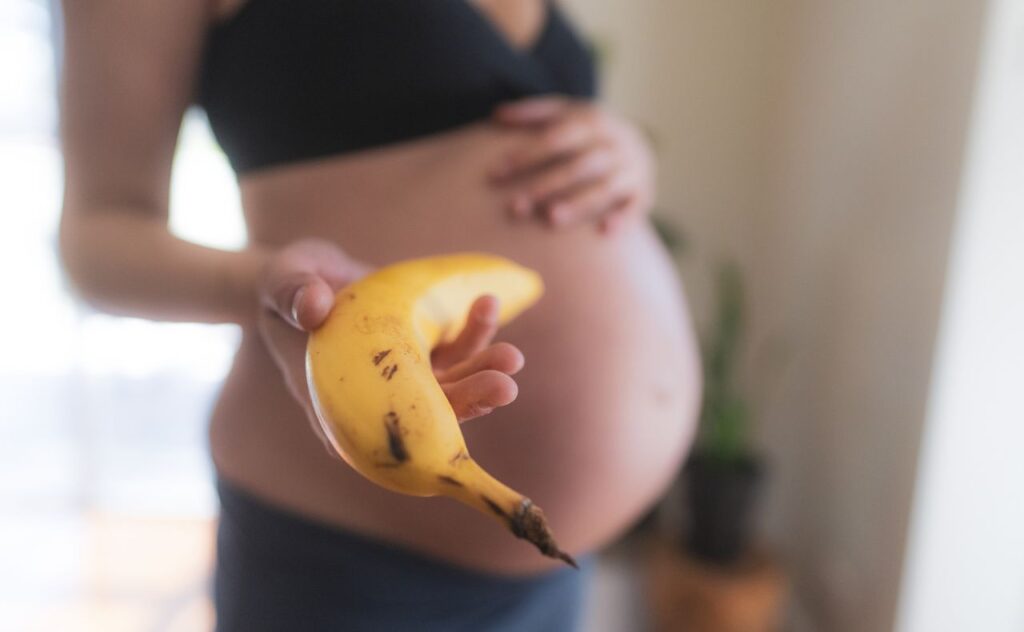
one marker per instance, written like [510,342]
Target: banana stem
[473,486]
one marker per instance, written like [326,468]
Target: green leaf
[724,431]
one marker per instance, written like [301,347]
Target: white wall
[965,566]
[820,143]
[693,71]
[851,256]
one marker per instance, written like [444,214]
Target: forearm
[130,264]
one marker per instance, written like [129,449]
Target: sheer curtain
[102,419]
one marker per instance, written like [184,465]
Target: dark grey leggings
[278,572]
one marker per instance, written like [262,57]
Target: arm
[129,70]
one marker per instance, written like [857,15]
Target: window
[103,458]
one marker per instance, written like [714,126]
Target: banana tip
[565,557]
[530,524]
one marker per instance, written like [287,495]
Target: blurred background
[842,183]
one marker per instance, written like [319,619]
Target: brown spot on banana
[448,480]
[379,357]
[459,456]
[396,444]
[496,508]
[389,371]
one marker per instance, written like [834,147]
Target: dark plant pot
[721,497]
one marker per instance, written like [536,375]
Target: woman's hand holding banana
[297,294]
[383,376]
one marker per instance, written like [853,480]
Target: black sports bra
[290,80]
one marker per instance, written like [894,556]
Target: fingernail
[295,304]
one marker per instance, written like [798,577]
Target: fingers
[582,163]
[501,357]
[473,375]
[531,111]
[300,281]
[583,167]
[561,139]
[311,304]
[481,325]
[613,221]
[301,299]
[287,347]
[480,393]
[589,202]
[324,259]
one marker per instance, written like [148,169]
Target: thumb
[303,300]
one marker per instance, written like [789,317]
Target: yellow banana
[376,396]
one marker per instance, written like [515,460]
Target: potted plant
[722,476]
[718,580]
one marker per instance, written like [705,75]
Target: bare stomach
[607,399]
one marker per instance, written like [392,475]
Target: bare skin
[604,404]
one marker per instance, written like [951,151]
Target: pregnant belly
[607,396]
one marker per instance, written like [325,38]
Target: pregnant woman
[364,132]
